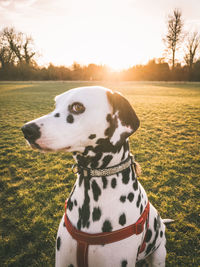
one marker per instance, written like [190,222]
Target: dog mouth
[32,134]
[36,146]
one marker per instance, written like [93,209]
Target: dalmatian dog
[94,123]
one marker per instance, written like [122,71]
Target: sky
[118,33]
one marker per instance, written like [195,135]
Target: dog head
[83,117]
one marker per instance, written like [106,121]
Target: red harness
[84,239]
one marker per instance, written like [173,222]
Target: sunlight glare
[114,39]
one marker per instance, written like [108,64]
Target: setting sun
[92,33]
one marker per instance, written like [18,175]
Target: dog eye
[76,108]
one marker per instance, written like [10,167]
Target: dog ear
[125,112]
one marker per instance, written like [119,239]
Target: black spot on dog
[84,211]
[113,183]
[96,190]
[86,204]
[85,160]
[130,197]
[141,209]
[92,136]
[113,125]
[123,199]
[148,235]
[57,115]
[79,224]
[139,200]
[88,224]
[155,224]
[58,243]
[105,145]
[81,178]
[126,176]
[106,160]
[107,227]
[124,263]
[149,248]
[95,160]
[75,202]
[104,181]
[70,204]
[96,214]
[70,118]
[122,219]
[161,233]
[135,185]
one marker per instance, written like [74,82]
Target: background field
[34,186]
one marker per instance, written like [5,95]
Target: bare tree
[192,45]
[28,53]
[174,34]
[14,41]
[6,54]
[16,45]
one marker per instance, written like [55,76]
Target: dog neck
[102,157]
[93,198]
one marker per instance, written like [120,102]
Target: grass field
[34,186]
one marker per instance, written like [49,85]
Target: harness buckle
[139,226]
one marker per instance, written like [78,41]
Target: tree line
[18,59]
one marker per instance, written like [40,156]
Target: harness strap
[84,239]
[82,254]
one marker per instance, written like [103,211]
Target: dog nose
[31,132]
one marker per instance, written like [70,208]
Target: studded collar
[76,168]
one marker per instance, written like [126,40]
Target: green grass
[34,186]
